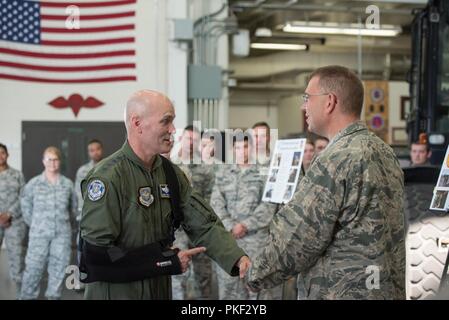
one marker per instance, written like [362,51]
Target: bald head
[149,119]
[143,103]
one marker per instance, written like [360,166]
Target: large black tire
[424,228]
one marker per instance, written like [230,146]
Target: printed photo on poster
[444,179]
[273,175]
[439,200]
[292,176]
[296,159]
[289,193]
[269,191]
[277,160]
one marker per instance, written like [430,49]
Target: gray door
[71,138]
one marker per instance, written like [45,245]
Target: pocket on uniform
[166,209]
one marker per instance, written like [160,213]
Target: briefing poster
[440,192]
[284,170]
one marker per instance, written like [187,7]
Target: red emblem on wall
[75,102]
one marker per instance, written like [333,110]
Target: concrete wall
[245,116]
[288,117]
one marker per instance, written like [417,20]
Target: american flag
[40,41]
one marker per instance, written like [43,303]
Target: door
[71,138]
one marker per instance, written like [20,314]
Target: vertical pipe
[359,48]
[195,109]
[200,109]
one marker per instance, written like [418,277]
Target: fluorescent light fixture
[278,46]
[263,32]
[352,29]
[436,138]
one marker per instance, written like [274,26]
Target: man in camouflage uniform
[95,152]
[344,230]
[237,200]
[127,205]
[197,283]
[203,268]
[185,286]
[12,226]
[48,202]
[262,137]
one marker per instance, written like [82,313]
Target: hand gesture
[185,256]
[243,264]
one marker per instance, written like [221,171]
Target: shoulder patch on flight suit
[96,190]
[165,191]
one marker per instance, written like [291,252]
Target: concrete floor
[8,288]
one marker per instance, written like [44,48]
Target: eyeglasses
[52,159]
[306,96]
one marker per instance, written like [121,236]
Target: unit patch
[96,190]
[145,196]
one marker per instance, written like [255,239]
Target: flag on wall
[82,41]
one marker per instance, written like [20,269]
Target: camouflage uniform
[275,293]
[263,163]
[197,282]
[293,288]
[237,198]
[347,215]
[46,209]
[11,184]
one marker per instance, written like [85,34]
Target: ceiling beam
[315,7]
[398,1]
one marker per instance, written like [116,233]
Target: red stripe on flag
[83,30]
[86,42]
[92,80]
[91,17]
[86,4]
[68,55]
[71,69]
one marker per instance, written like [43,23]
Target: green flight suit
[113,214]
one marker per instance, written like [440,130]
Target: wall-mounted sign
[75,102]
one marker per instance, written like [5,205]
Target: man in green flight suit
[128,206]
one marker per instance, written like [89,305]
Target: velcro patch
[96,190]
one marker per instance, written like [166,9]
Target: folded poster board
[440,192]
[284,170]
